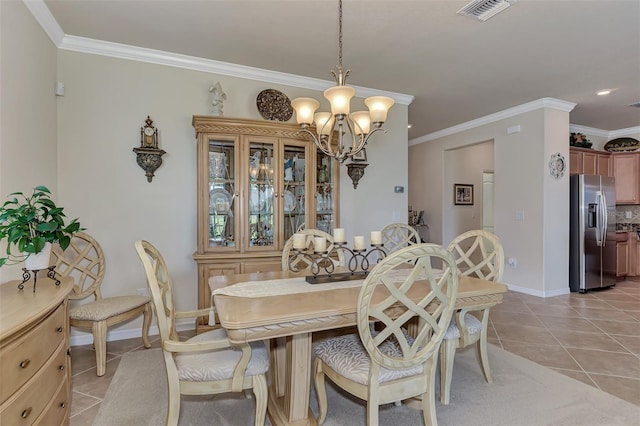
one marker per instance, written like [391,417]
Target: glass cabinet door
[261,196]
[294,197]
[325,192]
[222,193]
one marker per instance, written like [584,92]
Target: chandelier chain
[340,34]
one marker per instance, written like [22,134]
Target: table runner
[295,285]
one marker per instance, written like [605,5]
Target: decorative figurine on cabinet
[217,98]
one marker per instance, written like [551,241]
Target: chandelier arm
[356,140]
[318,143]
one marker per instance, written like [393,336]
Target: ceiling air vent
[485,9]
[635,104]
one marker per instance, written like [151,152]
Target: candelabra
[322,266]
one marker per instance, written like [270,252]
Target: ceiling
[457,67]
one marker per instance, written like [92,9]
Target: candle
[338,235]
[376,237]
[358,242]
[299,241]
[319,244]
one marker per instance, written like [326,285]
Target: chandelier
[359,124]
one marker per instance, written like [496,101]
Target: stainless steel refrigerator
[592,236]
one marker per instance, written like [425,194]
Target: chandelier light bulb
[324,123]
[340,98]
[363,122]
[305,107]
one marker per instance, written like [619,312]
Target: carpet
[523,393]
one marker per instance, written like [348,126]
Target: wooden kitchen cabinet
[258,182]
[634,254]
[622,250]
[626,167]
[590,162]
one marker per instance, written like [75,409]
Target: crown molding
[159,57]
[576,128]
[629,131]
[43,15]
[501,115]
[122,51]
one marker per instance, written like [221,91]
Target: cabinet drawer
[25,406]
[57,413]
[20,360]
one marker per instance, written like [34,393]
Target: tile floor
[593,337]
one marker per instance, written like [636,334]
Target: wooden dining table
[287,320]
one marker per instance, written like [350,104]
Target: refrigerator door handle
[599,219]
[605,220]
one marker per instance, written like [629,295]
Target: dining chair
[387,365]
[399,235]
[84,261]
[207,363]
[478,254]
[301,263]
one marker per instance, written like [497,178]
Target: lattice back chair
[84,261]
[478,254]
[300,263]
[389,364]
[207,363]
[396,236]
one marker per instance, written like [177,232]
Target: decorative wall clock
[557,165]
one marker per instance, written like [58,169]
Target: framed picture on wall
[462,194]
[361,156]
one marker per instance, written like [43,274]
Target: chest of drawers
[34,363]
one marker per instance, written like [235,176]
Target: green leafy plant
[28,223]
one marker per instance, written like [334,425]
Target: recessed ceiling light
[408,126]
[603,92]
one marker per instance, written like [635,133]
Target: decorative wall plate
[622,145]
[557,165]
[274,105]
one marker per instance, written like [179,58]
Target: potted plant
[31,225]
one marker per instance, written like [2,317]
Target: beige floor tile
[605,314]
[578,375]
[522,318]
[625,305]
[548,355]
[81,402]
[84,358]
[587,340]
[86,417]
[524,333]
[634,314]
[611,363]
[554,310]
[120,347]
[631,343]
[618,327]
[588,302]
[577,324]
[90,384]
[623,388]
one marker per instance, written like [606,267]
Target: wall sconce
[355,172]
[149,156]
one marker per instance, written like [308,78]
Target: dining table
[283,309]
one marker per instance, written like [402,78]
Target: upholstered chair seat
[473,324]
[219,365]
[102,309]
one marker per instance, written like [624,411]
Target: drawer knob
[26,413]
[59,329]
[25,363]
[63,404]
[61,367]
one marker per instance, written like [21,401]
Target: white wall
[521,178]
[27,109]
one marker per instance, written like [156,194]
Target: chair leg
[146,324]
[321,391]
[482,354]
[373,404]
[447,355]
[100,344]
[261,393]
[429,397]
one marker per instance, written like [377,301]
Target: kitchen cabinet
[634,254]
[590,162]
[258,182]
[622,253]
[626,168]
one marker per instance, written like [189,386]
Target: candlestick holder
[26,276]
[322,265]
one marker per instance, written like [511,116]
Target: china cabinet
[258,183]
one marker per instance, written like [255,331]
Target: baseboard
[538,293]
[79,338]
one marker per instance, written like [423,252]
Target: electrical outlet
[512,262]
[628,215]
[520,215]
[142,291]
